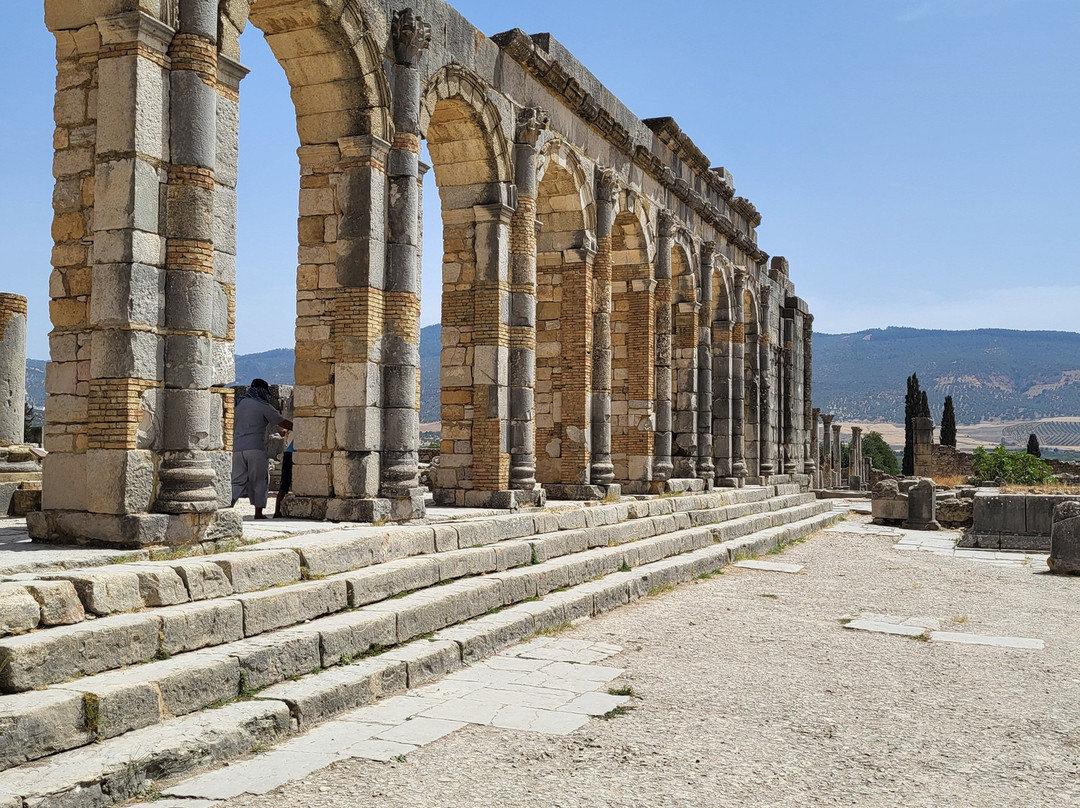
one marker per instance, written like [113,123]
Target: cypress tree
[1033,445]
[912,405]
[948,424]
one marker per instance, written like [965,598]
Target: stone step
[125,766]
[42,658]
[109,704]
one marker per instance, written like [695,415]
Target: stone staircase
[187,661]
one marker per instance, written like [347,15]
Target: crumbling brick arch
[685,306]
[473,171]
[566,225]
[633,332]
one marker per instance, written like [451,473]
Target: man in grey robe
[251,465]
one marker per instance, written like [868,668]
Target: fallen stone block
[65,652]
[33,725]
[19,610]
[59,602]
[110,590]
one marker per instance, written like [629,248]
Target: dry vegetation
[1050,488]
[950,481]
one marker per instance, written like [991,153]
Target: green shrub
[1018,468]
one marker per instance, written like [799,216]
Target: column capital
[136,27]
[765,294]
[666,224]
[708,254]
[411,35]
[607,186]
[531,121]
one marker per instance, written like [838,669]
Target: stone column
[602,471]
[738,382]
[826,450]
[837,473]
[706,469]
[810,414]
[12,368]
[186,475]
[721,408]
[855,474]
[812,463]
[399,458]
[663,468]
[765,439]
[790,466]
[530,123]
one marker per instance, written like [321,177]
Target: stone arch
[565,252]
[685,307]
[633,329]
[472,167]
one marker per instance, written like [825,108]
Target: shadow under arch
[473,172]
[566,249]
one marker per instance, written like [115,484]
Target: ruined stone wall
[576,350]
[948,462]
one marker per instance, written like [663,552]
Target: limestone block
[289,605]
[259,569]
[33,725]
[64,482]
[193,120]
[358,429]
[390,579]
[314,699]
[117,706]
[123,481]
[490,634]
[159,584]
[59,602]
[224,224]
[426,661]
[126,195]
[125,294]
[189,365]
[408,541]
[275,657]
[126,354]
[109,590]
[204,580]
[1065,540]
[320,558]
[228,138]
[19,611]
[999,513]
[353,634]
[131,113]
[357,384]
[62,653]
[460,563]
[191,626]
[512,554]
[356,475]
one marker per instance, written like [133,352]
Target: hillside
[992,375]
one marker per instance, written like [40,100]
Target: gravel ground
[749,692]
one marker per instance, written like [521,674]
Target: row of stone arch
[596,331]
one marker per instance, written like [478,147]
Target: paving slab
[594,703]
[531,719]
[392,711]
[980,639]
[885,628]
[419,731]
[769,566]
[379,750]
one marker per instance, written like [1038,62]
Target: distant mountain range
[991,374]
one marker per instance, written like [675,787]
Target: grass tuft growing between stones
[92,714]
[625,567]
[551,631]
[660,590]
[622,690]
[622,709]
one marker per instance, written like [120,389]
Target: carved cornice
[411,35]
[531,121]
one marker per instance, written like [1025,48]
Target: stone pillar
[602,471]
[738,382]
[812,464]
[530,123]
[12,368]
[826,450]
[399,458]
[765,370]
[855,472]
[924,447]
[722,396]
[790,380]
[186,475]
[706,470]
[810,413]
[835,446]
[922,506]
[663,467]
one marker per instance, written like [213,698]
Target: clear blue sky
[916,160]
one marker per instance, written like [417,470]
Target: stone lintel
[136,27]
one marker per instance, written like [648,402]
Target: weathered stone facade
[609,320]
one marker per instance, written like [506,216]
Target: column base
[135,530]
[510,499]
[584,493]
[730,482]
[336,509]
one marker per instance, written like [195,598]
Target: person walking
[251,466]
